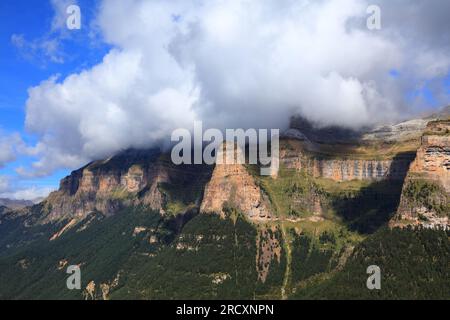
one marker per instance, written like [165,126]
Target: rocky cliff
[148,178]
[352,169]
[426,192]
[380,153]
[345,162]
[107,186]
[433,156]
[232,186]
[131,178]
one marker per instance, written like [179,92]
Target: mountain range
[16,204]
[140,227]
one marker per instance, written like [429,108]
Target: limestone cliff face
[346,169]
[232,185]
[142,178]
[305,155]
[379,153]
[107,186]
[426,192]
[433,157]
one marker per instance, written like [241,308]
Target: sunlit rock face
[426,191]
[357,169]
[232,185]
[107,186]
[433,156]
[346,162]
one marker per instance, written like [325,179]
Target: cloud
[4,183]
[235,64]
[38,50]
[10,146]
[48,47]
[10,190]
[33,193]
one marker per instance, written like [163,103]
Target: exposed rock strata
[345,170]
[108,186]
[304,155]
[426,191]
[131,178]
[231,185]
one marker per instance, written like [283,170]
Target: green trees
[414,265]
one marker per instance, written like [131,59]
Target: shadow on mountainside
[372,206]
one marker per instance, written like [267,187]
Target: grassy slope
[419,192]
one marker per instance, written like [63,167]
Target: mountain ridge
[223,231]
[15,204]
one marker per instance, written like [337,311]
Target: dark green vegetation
[414,265]
[15,236]
[139,254]
[211,258]
[205,258]
[368,208]
[310,257]
[33,272]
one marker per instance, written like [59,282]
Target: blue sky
[21,69]
[154,92]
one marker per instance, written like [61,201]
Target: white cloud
[48,47]
[33,193]
[4,183]
[231,64]
[10,146]
[39,50]
[10,190]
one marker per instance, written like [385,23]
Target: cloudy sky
[138,69]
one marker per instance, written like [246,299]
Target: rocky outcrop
[346,170]
[307,156]
[131,178]
[149,178]
[433,157]
[232,186]
[383,152]
[426,191]
[403,131]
